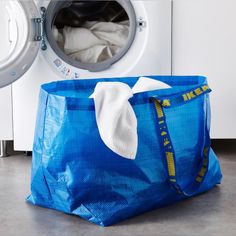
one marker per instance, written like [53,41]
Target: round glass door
[5,40]
[12,23]
[17,47]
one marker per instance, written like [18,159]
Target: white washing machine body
[149,54]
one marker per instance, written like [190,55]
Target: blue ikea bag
[74,172]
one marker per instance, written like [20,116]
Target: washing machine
[32,54]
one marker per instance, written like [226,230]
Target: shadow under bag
[75,172]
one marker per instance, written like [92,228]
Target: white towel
[94,42]
[147,84]
[116,120]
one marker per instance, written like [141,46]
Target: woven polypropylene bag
[73,170]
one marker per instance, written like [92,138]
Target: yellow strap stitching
[170,163]
[199,179]
[158,109]
[202,171]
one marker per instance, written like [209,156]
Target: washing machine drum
[81,11]
[90,35]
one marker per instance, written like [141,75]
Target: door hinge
[39,28]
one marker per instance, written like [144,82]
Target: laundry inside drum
[91,31]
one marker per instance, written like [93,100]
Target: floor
[211,214]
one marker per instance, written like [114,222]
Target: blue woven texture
[74,172]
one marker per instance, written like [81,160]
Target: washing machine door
[19,40]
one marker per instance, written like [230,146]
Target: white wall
[204,42]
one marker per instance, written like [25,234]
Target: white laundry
[94,42]
[148,84]
[116,120]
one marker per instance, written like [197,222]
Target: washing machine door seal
[20,29]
